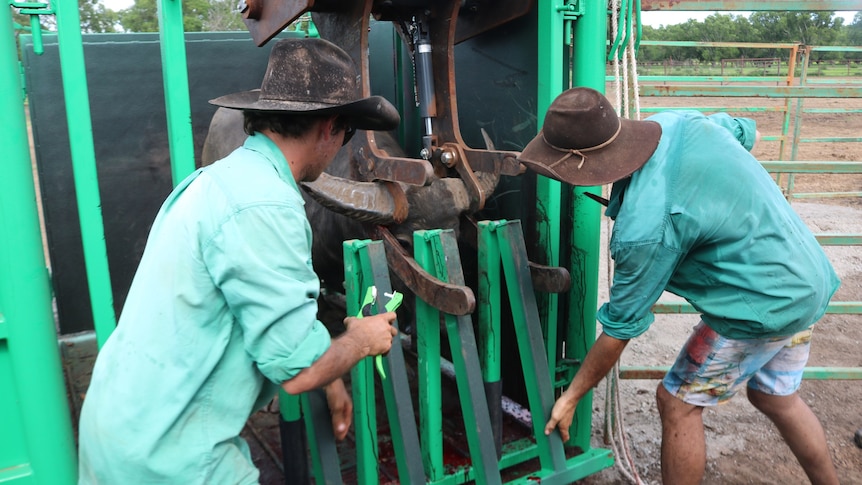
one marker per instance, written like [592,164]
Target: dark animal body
[438,205]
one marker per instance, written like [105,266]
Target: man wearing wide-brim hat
[223,306]
[696,215]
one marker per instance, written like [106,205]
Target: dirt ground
[743,447]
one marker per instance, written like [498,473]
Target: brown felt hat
[314,76]
[584,142]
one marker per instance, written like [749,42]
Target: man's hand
[562,415]
[364,337]
[340,407]
[373,334]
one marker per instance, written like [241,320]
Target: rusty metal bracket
[446,297]
[348,28]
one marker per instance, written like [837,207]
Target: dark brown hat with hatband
[584,142]
[314,76]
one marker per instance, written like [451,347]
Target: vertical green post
[77,99]
[176,80]
[362,375]
[550,79]
[588,69]
[428,349]
[488,340]
[33,397]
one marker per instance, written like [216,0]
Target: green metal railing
[36,439]
[794,89]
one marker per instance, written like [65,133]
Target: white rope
[615,435]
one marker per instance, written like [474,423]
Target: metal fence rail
[793,90]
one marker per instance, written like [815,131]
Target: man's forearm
[341,356]
[598,362]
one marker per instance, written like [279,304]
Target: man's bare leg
[801,430]
[683,445]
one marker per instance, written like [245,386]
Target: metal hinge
[34,10]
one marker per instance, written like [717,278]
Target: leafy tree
[854,30]
[143,16]
[96,18]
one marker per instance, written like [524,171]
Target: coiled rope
[627,106]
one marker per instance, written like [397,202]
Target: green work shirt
[702,219]
[222,309]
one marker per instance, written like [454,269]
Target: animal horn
[369,202]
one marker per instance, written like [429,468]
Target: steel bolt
[448,158]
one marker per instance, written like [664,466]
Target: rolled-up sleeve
[261,261]
[641,273]
[743,129]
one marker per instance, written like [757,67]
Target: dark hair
[289,125]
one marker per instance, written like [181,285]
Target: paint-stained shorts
[710,369]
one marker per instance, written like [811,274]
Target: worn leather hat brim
[372,113]
[633,146]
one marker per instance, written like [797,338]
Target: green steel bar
[810,373]
[446,265]
[615,51]
[824,195]
[646,79]
[849,307]
[836,48]
[489,314]
[313,442]
[39,408]
[525,315]
[552,68]
[752,91]
[581,466]
[724,109]
[697,43]
[811,166]
[489,305]
[588,69]
[396,388]
[73,69]
[428,350]
[828,110]
[839,239]
[362,375]
[788,106]
[750,5]
[840,139]
[176,80]
[797,126]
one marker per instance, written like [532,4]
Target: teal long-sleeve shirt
[221,309]
[702,219]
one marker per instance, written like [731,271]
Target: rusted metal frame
[442,26]
[749,5]
[447,297]
[348,28]
[265,19]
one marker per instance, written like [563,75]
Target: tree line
[809,28]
